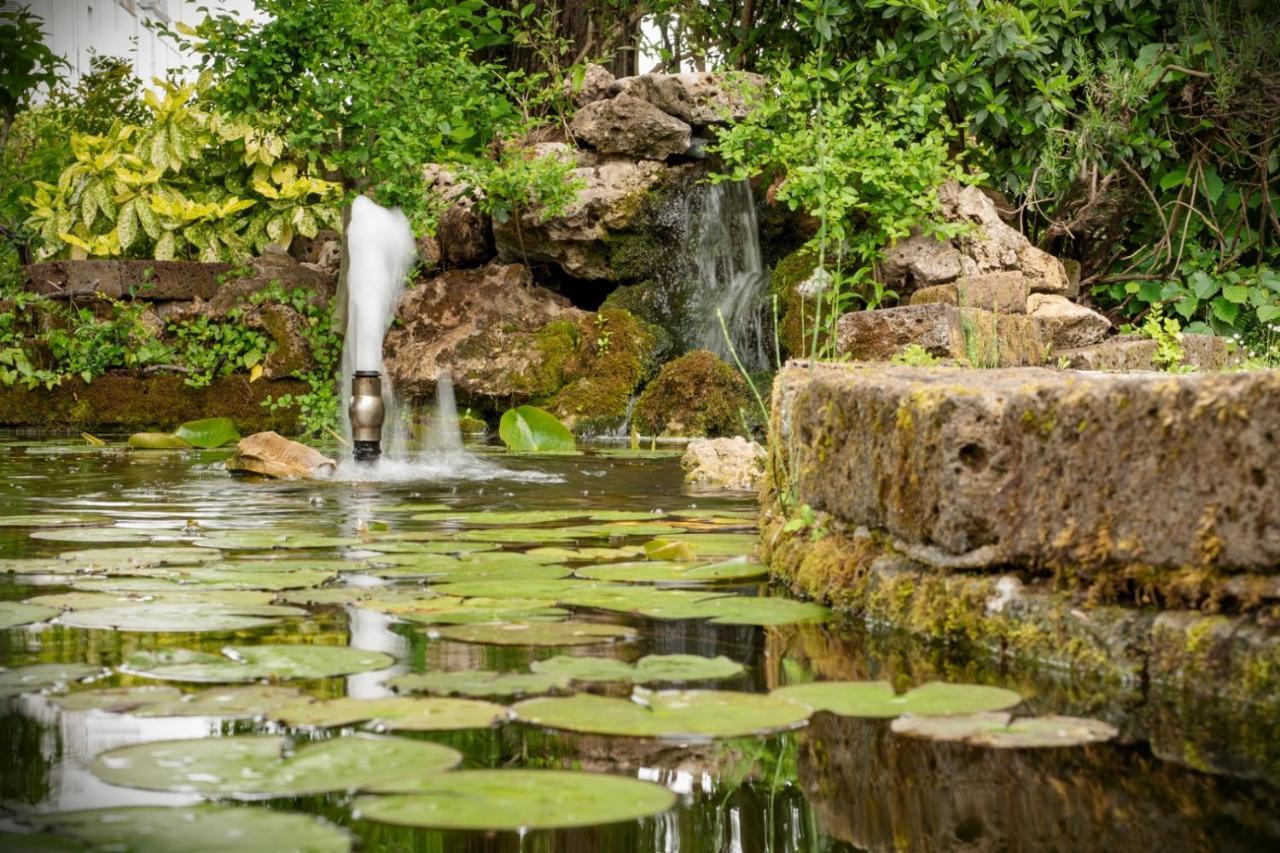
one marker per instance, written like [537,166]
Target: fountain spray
[381,249]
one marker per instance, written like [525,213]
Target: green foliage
[1167,333]
[519,180]
[88,346]
[320,406]
[530,429]
[914,355]
[28,63]
[211,348]
[188,183]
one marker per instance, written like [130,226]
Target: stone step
[983,338]
[1130,352]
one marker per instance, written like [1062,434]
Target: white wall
[77,29]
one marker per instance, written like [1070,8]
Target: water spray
[367,413]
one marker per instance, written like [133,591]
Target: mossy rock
[555,343]
[696,395]
[787,275]
[615,354]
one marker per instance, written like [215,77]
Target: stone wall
[1125,526]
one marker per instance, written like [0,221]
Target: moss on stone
[695,395]
[614,354]
[553,345]
[795,315]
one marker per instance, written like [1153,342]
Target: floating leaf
[249,663]
[516,800]
[449,610]
[648,670]
[480,517]
[538,633]
[577,555]
[477,683]
[26,679]
[15,613]
[675,714]
[157,441]
[116,700]
[738,569]
[739,610]
[50,520]
[118,559]
[102,535]
[256,765]
[394,714]
[528,429]
[876,699]
[208,432]
[83,600]
[549,588]
[1002,731]
[179,618]
[702,546]
[522,535]
[253,540]
[161,701]
[212,577]
[203,828]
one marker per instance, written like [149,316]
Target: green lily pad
[526,429]
[450,610]
[675,573]
[648,670]
[36,566]
[477,683]
[157,441]
[121,559]
[538,633]
[352,594]
[740,610]
[208,433]
[394,714]
[517,800]
[103,535]
[257,765]
[26,679]
[550,588]
[521,535]
[85,600]
[672,715]
[446,547]
[701,546]
[579,555]
[203,828]
[253,540]
[162,701]
[48,520]
[16,613]
[475,517]
[249,663]
[876,699]
[213,578]
[623,598]
[414,507]
[179,618]
[620,529]
[116,700]
[1000,730]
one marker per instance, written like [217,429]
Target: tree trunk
[593,29]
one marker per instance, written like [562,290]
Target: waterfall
[445,436]
[723,257]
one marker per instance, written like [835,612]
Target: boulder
[694,396]
[292,353]
[1131,352]
[1001,292]
[486,327]
[1065,324]
[1159,480]
[602,235]
[723,463]
[271,455]
[610,354]
[700,98]
[464,234]
[983,338]
[632,127]
[920,260]
[596,84]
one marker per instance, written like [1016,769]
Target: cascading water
[723,251]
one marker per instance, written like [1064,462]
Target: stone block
[152,280]
[944,294]
[1130,352]
[1064,324]
[944,331]
[630,126]
[1001,292]
[1081,474]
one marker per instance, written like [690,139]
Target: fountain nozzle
[366,412]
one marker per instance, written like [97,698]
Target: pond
[222,618]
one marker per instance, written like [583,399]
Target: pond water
[1180,776]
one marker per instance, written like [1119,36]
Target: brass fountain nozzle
[366,412]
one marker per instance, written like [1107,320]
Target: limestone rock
[696,395]
[628,125]
[274,266]
[1130,352]
[464,233]
[292,354]
[159,281]
[271,455]
[1046,273]
[943,294]
[1001,467]
[984,338]
[476,324]
[921,260]
[723,463]
[1064,324]
[595,86]
[1002,292]
[698,97]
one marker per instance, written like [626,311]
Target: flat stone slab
[1130,352]
[1072,472]
[983,338]
[153,280]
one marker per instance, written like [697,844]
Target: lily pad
[447,547]
[226,703]
[179,618]
[538,633]
[550,588]
[157,441]
[120,559]
[36,566]
[15,613]
[1002,731]
[352,594]
[253,540]
[740,610]
[648,670]
[212,578]
[103,535]
[518,518]
[450,610]
[477,683]
[116,700]
[47,520]
[260,766]
[738,569]
[673,715]
[521,535]
[26,679]
[527,429]
[577,555]
[249,663]
[701,546]
[203,828]
[876,699]
[624,598]
[87,600]
[516,800]
[208,433]
[620,529]
[394,714]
